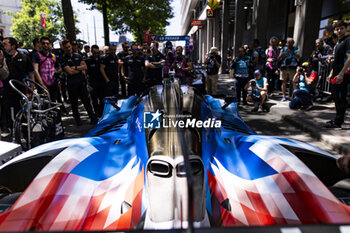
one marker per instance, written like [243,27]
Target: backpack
[47,69]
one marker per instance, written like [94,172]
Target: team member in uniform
[109,71]
[153,63]
[133,70]
[74,66]
[19,65]
[121,56]
[96,80]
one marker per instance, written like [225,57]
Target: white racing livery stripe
[291,230]
[267,185]
[263,185]
[344,229]
[77,152]
[268,150]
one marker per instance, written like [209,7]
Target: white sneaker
[260,109]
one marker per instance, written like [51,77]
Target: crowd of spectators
[75,72]
[279,68]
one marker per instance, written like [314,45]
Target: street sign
[213,4]
[210,13]
[195,22]
[43,20]
[173,38]
[153,37]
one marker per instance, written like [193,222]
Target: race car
[171,159]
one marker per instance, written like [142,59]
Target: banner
[43,20]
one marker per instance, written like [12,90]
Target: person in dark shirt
[74,66]
[109,71]
[19,66]
[153,63]
[37,47]
[86,52]
[213,62]
[169,59]
[96,80]
[339,75]
[121,57]
[133,70]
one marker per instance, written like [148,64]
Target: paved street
[271,123]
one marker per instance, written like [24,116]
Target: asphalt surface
[267,123]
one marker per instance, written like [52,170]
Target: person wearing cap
[304,83]
[240,72]
[258,96]
[213,62]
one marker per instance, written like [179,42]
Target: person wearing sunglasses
[46,65]
[154,62]
[109,70]
[96,80]
[121,57]
[133,71]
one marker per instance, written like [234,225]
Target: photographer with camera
[259,92]
[304,83]
[320,55]
[289,58]
[213,62]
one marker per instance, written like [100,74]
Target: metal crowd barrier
[323,86]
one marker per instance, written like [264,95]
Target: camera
[252,83]
[212,55]
[300,70]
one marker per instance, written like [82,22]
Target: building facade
[5,19]
[238,22]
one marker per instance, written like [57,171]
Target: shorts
[255,98]
[286,74]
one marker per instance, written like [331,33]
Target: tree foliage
[27,22]
[136,16]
